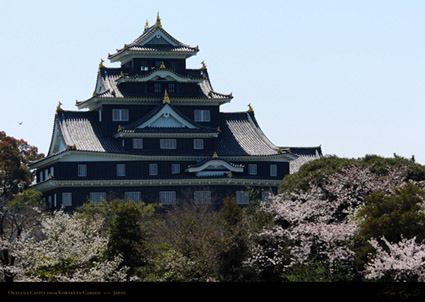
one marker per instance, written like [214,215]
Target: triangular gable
[57,144]
[166,118]
[158,38]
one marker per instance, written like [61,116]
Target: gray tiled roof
[241,135]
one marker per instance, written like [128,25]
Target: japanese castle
[153,131]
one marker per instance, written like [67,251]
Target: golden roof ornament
[215,155]
[58,107]
[218,129]
[146,24]
[162,65]
[166,99]
[203,65]
[229,175]
[250,108]
[101,64]
[119,128]
[158,21]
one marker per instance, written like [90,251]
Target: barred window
[167,197]
[198,144]
[202,116]
[82,170]
[97,196]
[119,115]
[175,168]
[202,197]
[121,170]
[137,143]
[242,197]
[153,169]
[134,196]
[67,199]
[273,170]
[168,143]
[252,169]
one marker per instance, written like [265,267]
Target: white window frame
[120,170]
[120,115]
[137,143]
[175,168]
[82,170]
[198,144]
[273,170]
[67,199]
[153,169]
[242,197]
[97,197]
[134,196]
[168,143]
[202,197]
[202,115]
[252,169]
[167,197]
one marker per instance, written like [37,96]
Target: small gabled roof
[154,39]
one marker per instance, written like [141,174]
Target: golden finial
[229,175]
[58,107]
[162,65]
[122,74]
[146,24]
[203,65]
[250,108]
[101,64]
[125,46]
[74,147]
[166,99]
[158,21]
[279,150]
[218,129]
[119,128]
[215,155]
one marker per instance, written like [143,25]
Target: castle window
[168,143]
[198,144]
[82,170]
[134,196]
[171,88]
[266,196]
[252,169]
[242,197]
[67,199]
[175,168]
[97,196]
[202,116]
[119,115]
[202,197]
[153,169]
[137,143]
[273,170]
[167,197]
[157,87]
[121,170]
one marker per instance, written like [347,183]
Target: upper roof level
[154,42]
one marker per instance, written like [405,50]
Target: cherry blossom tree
[66,248]
[401,261]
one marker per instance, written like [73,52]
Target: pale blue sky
[349,75]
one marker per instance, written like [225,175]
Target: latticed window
[134,196]
[137,143]
[252,169]
[119,115]
[242,197]
[273,170]
[167,197]
[153,169]
[202,116]
[121,170]
[97,196]
[202,197]
[198,144]
[67,199]
[82,170]
[168,143]
[175,168]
